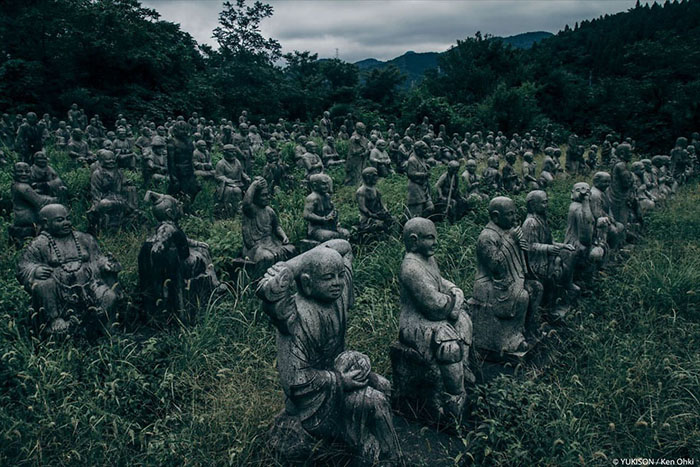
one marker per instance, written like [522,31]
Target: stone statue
[472,182]
[202,160]
[380,160]
[583,231]
[44,178]
[264,241]
[550,262]
[600,208]
[418,202]
[274,171]
[330,393]
[311,160]
[530,171]
[180,165]
[326,125]
[358,151]
[78,148]
[155,161]
[232,181]
[621,185]
[74,287]
[29,138]
[113,196]
[645,201]
[26,203]
[62,135]
[431,361]
[329,154]
[504,302]
[374,216]
[319,211]
[509,178]
[176,273]
[491,177]
[449,195]
[122,147]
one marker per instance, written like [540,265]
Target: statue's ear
[305,283]
[412,241]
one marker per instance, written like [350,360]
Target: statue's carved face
[539,204]
[262,196]
[324,281]
[602,183]
[370,179]
[22,172]
[323,186]
[580,192]
[426,242]
[58,222]
[40,160]
[505,216]
[108,160]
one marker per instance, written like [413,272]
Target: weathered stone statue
[491,181]
[600,208]
[418,202]
[62,135]
[326,125]
[202,160]
[450,201]
[504,302]
[330,393]
[621,185]
[319,211]
[581,232]
[155,161]
[431,361]
[549,261]
[232,181]
[645,201]
[113,196]
[274,171]
[74,287]
[380,160]
[530,171]
[180,165]
[29,138]
[264,241]
[358,152]
[311,160]
[123,149]
[509,178]
[176,273]
[374,216]
[45,180]
[26,203]
[329,154]
[78,148]
[472,183]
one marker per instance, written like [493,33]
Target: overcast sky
[385,29]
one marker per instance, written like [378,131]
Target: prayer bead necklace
[54,247]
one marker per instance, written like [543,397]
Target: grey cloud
[385,29]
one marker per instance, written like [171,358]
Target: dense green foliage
[636,73]
[622,378]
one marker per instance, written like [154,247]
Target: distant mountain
[414,65]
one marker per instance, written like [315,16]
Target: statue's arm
[309,208]
[530,235]
[31,259]
[433,304]
[491,254]
[36,200]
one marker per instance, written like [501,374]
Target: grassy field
[622,378]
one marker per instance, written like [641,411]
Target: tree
[239,32]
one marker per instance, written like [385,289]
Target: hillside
[414,65]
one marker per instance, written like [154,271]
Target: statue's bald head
[418,226]
[502,212]
[322,274]
[51,211]
[534,200]
[601,180]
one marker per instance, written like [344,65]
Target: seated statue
[504,302]
[584,232]
[45,180]
[176,273]
[530,171]
[330,154]
[549,261]
[232,181]
[73,285]
[418,202]
[330,393]
[472,182]
[509,178]
[319,211]
[155,161]
[113,197]
[264,241]
[275,171]
[380,160]
[202,160]
[450,201]
[311,160]
[78,148]
[123,149]
[374,216]
[62,135]
[491,181]
[26,203]
[431,361]
[180,166]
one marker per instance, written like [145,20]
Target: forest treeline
[636,73]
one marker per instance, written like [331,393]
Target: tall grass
[620,380]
